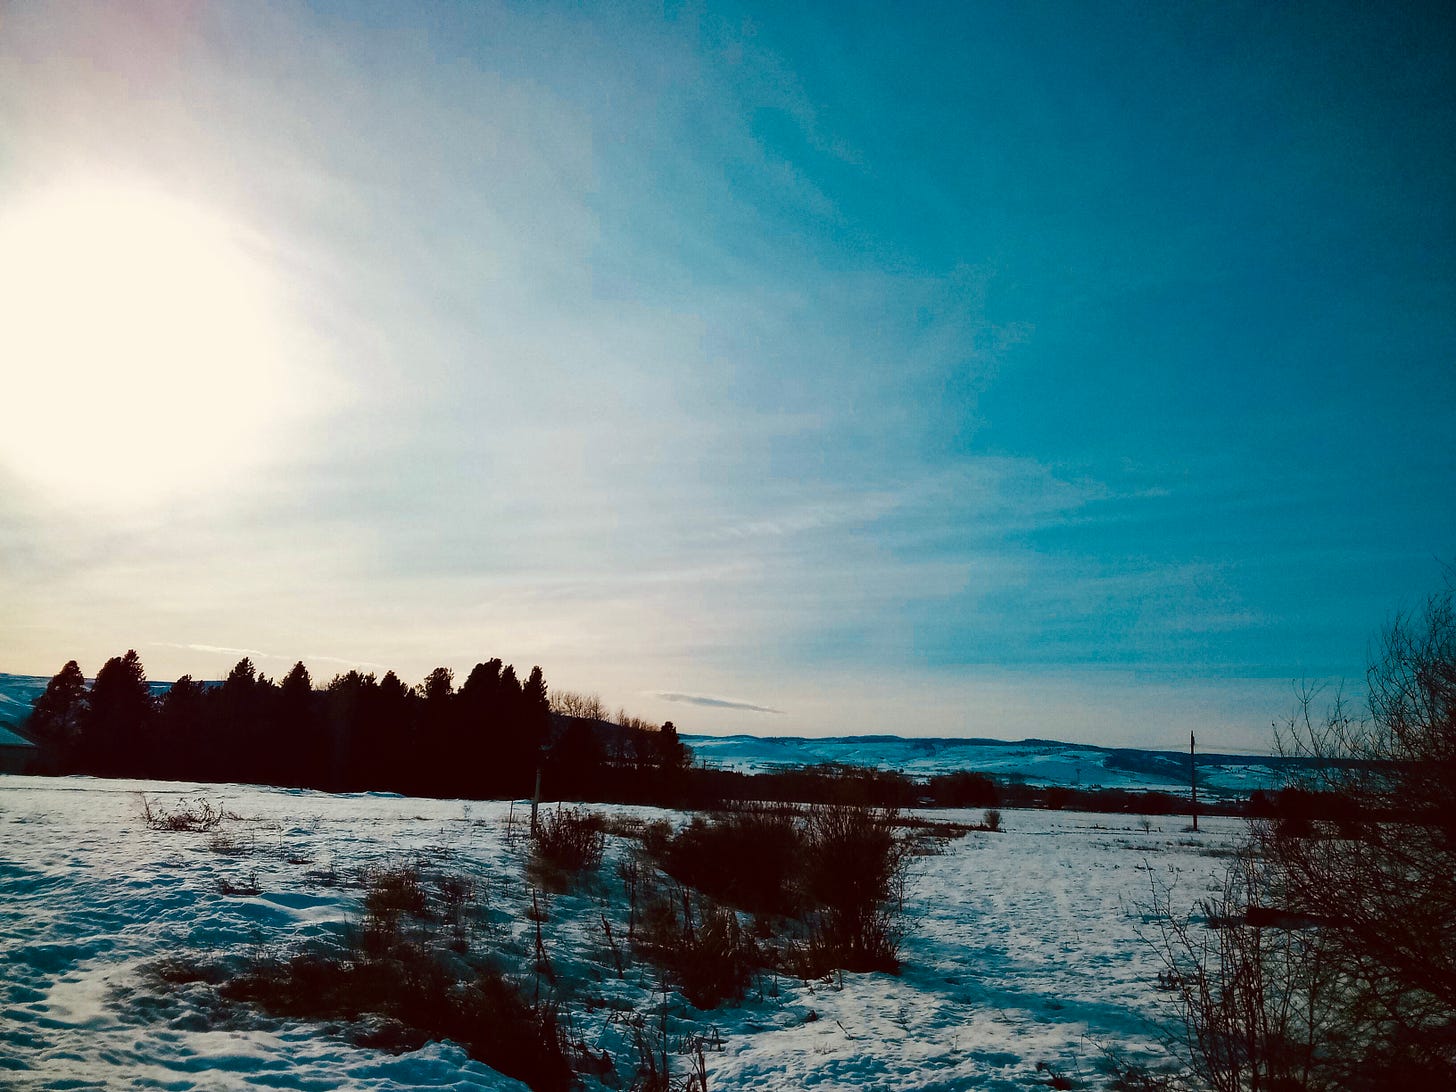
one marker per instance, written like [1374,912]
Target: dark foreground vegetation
[408,972]
[425,960]
[1328,961]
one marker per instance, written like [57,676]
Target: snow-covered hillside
[1034,761]
[17,695]
[1023,947]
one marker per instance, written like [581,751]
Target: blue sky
[1075,370]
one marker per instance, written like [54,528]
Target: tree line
[493,736]
[488,738]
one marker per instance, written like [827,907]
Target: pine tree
[351,700]
[535,710]
[241,707]
[300,752]
[115,740]
[477,727]
[56,721]
[182,730]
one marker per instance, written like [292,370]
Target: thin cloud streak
[307,658]
[712,703]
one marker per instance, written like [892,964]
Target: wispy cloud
[712,703]
[259,654]
[221,650]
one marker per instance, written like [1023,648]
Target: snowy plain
[1023,947]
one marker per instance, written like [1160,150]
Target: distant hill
[1034,761]
[17,695]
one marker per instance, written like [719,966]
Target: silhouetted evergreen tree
[669,752]
[115,738]
[476,727]
[182,730]
[510,689]
[535,715]
[242,715]
[56,721]
[302,751]
[574,762]
[510,751]
[396,711]
[489,738]
[351,700]
[481,689]
[434,772]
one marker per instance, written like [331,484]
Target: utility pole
[1193,779]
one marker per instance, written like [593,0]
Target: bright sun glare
[140,345]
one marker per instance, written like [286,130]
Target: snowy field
[1023,947]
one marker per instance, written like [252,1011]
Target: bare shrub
[1126,1075]
[1056,1079]
[398,978]
[992,820]
[245,888]
[703,947]
[1253,1003]
[185,815]
[391,895]
[854,877]
[457,906]
[748,858]
[1379,872]
[1335,967]
[225,844]
[421,998]
[654,1069]
[569,840]
[826,884]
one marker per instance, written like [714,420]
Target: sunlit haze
[146,345]
[1065,370]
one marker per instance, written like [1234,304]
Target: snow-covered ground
[1023,947]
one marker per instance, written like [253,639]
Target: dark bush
[748,858]
[854,878]
[185,815]
[832,875]
[1333,963]
[397,967]
[424,998]
[569,839]
[390,896]
[963,789]
[1158,803]
[702,946]
[1057,797]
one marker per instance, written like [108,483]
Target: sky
[1083,370]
